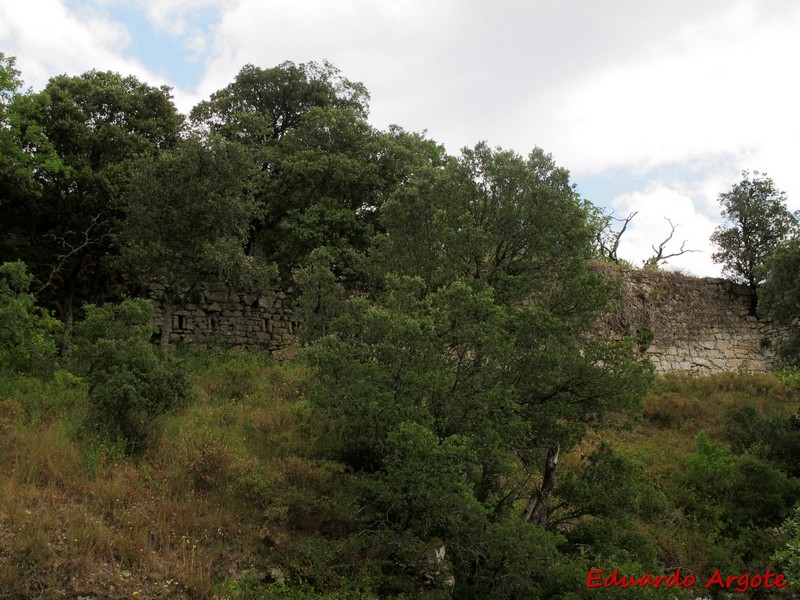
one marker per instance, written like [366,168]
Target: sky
[654,107]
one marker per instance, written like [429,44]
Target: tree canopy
[756,222]
[187,216]
[474,352]
[83,133]
[780,296]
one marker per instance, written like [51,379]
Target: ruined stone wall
[682,323]
[693,325]
[226,319]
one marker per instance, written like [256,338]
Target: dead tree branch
[608,240]
[70,250]
[659,256]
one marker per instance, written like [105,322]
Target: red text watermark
[739,583]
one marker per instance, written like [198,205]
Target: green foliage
[514,560]
[188,214]
[608,485]
[789,556]
[789,377]
[28,334]
[449,311]
[776,439]
[9,79]
[264,104]
[27,156]
[315,159]
[780,297]
[427,491]
[95,126]
[734,500]
[413,528]
[131,383]
[324,187]
[756,222]
[470,358]
[322,295]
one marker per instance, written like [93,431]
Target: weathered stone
[221,297]
[692,325]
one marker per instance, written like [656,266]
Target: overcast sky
[654,107]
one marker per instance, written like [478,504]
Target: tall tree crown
[262,105]
[756,222]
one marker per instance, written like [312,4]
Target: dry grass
[76,518]
[680,406]
[230,483]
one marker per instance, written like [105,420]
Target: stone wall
[682,323]
[693,325]
[230,320]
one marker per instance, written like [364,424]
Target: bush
[27,333]
[789,556]
[131,382]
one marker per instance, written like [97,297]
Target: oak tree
[479,331]
[97,124]
[780,296]
[756,222]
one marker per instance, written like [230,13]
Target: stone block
[221,297]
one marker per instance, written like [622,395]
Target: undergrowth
[230,502]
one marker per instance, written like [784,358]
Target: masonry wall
[226,319]
[682,323]
[693,325]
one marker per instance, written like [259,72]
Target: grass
[228,491]
[192,512]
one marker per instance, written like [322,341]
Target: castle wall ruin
[682,323]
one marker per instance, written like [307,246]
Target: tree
[659,256]
[27,333]
[97,124]
[756,222]
[317,160]
[188,214]
[780,296]
[607,240]
[131,382]
[323,188]
[9,80]
[28,159]
[789,556]
[262,105]
[479,331]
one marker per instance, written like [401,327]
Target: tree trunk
[753,299]
[537,510]
[68,311]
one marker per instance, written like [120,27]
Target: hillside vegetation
[235,498]
[455,424]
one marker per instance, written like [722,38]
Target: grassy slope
[229,490]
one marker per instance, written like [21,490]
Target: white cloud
[48,39]
[387,45]
[723,86]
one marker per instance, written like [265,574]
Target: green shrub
[27,333]
[789,556]
[131,382]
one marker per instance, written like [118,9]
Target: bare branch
[71,250]
[659,256]
[608,240]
